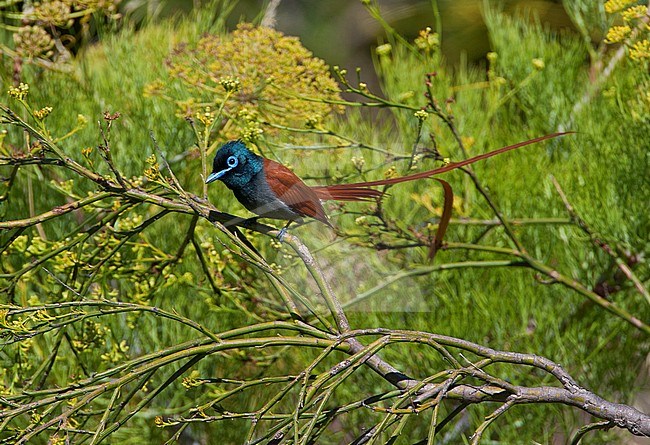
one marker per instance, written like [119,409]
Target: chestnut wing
[290,189]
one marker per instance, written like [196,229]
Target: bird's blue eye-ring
[232,161]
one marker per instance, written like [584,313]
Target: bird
[271,190]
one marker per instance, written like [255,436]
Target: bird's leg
[283,231]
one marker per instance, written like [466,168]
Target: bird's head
[234,165]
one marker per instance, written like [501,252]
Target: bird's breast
[258,197]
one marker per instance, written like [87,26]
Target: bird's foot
[283,231]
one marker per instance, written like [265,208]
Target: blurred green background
[342,32]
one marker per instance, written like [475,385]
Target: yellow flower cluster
[640,50]
[617,34]
[152,173]
[314,121]
[42,113]
[634,12]
[358,162]
[391,173]
[634,34]
[206,117]
[193,380]
[230,84]
[19,92]
[33,41]
[612,6]
[53,13]
[427,40]
[263,71]
[251,131]
[421,115]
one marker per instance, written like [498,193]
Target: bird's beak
[214,176]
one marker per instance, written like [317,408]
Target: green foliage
[162,282]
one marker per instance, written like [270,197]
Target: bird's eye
[232,161]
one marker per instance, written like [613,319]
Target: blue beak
[214,176]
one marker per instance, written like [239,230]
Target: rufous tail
[360,191]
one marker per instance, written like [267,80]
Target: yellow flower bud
[538,64]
